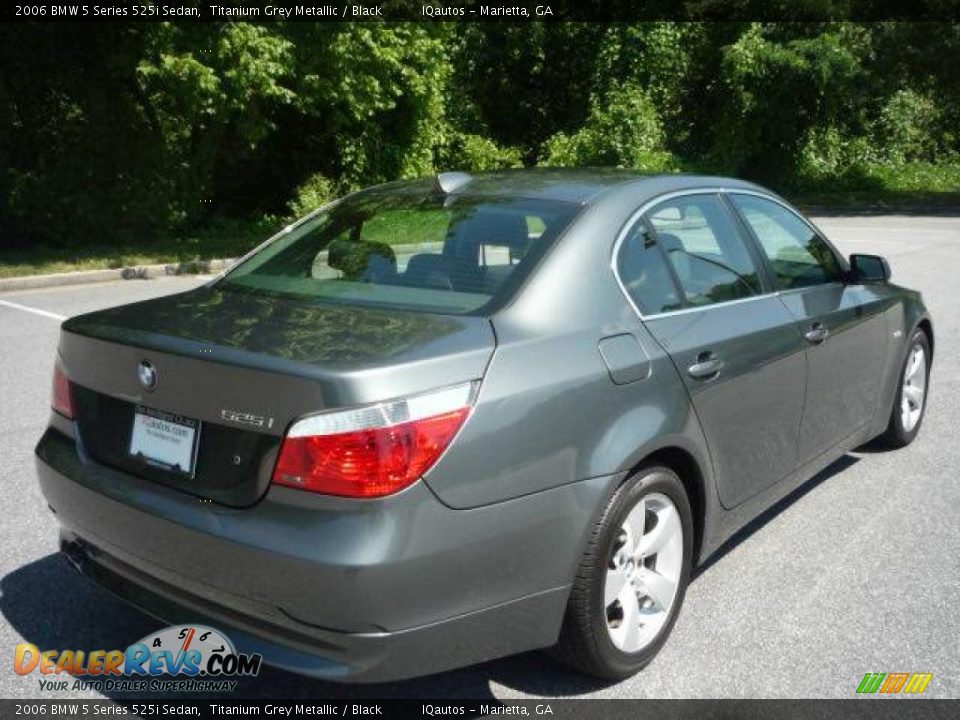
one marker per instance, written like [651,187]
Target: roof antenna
[447,182]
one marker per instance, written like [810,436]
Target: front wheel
[632,578]
[910,400]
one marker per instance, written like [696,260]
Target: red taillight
[62,400]
[372,451]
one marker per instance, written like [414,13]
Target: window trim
[722,192]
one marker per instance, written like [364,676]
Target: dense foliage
[131,133]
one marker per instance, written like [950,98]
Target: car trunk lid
[241,367]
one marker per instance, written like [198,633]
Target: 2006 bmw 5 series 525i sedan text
[446,420]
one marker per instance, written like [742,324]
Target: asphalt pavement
[858,572]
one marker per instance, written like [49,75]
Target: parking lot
[859,571]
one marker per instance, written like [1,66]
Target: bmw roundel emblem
[147,374]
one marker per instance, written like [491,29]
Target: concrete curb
[134,272]
[146,272]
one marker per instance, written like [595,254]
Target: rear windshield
[435,253]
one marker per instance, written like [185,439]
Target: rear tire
[632,578]
[910,399]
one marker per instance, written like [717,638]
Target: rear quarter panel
[548,412]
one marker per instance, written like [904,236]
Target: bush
[778,92]
[657,56]
[909,128]
[313,192]
[906,137]
[622,130]
[831,153]
[473,153]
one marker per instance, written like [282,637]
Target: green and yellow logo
[893,683]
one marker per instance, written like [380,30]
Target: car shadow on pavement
[48,604]
[875,446]
[834,468]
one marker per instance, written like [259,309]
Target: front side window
[707,253]
[798,256]
[447,254]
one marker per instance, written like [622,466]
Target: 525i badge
[245,418]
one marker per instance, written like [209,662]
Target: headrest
[435,271]
[490,226]
[669,241]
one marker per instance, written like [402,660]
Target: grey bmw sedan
[442,421]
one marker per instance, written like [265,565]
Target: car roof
[576,185]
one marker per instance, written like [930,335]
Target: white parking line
[35,311]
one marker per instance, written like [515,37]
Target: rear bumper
[327,654]
[340,589]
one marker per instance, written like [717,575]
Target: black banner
[858,709]
[476,11]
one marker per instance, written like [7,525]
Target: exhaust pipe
[75,553]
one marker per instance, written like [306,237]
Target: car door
[843,324]
[733,342]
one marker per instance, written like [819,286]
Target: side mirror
[869,268]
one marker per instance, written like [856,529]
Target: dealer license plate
[165,440]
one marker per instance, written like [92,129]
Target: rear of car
[257,453]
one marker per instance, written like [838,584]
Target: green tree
[203,87]
[121,134]
[776,92]
[622,130]
[522,83]
[373,96]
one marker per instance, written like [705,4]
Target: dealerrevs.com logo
[178,658]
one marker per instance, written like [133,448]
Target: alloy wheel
[643,573]
[914,388]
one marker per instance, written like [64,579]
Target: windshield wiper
[742,278]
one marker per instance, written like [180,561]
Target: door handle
[707,366]
[817,333]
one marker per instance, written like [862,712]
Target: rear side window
[705,249]
[643,271]
[447,254]
[798,256]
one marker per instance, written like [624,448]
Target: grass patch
[407,227]
[911,185]
[919,177]
[221,238]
